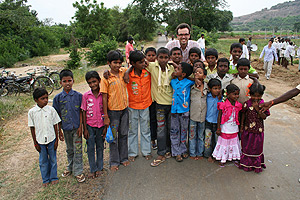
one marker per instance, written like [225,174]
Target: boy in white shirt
[43,120]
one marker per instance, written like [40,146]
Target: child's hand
[198,82]
[173,75]
[104,132]
[37,147]
[61,135]
[126,78]
[86,134]
[106,121]
[106,74]
[265,106]
[255,105]
[79,131]
[56,144]
[218,132]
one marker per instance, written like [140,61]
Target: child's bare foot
[168,155]
[45,184]
[179,158]
[148,157]
[114,168]
[91,175]
[221,164]
[54,182]
[199,157]
[126,163]
[131,158]
[98,173]
[193,158]
[211,160]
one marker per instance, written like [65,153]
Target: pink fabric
[94,109]
[228,136]
[227,109]
[128,48]
[227,149]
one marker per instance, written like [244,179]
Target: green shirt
[233,69]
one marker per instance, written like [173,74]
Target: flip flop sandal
[179,158]
[154,146]
[80,178]
[125,163]
[114,168]
[155,162]
[185,156]
[131,158]
[66,173]
[168,155]
[98,173]
[91,175]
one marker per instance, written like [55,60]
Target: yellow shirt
[161,91]
[211,71]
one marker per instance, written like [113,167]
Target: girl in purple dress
[252,127]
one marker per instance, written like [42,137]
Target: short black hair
[236,45]
[114,55]
[214,82]
[243,62]
[242,40]
[135,56]
[65,73]
[198,60]
[223,60]
[186,68]
[256,87]
[202,34]
[211,52]
[232,88]
[92,74]
[150,49]
[182,26]
[195,50]
[162,50]
[175,49]
[130,38]
[38,92]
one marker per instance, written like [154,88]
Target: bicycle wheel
[56,80]
[43,82]
[12,89]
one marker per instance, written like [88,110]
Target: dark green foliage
[210,37]
[99,49]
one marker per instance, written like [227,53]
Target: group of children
[183,109]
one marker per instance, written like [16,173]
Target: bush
[99,50]
[210,37]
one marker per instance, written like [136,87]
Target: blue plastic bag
[109,135]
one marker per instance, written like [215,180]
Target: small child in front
[211,119]
[252,127]
[180,110]
[67,105]
[115,110]
[228,146]
[139,97]
[43,120]
[197,115]
[93,125]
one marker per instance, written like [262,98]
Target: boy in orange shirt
[139,96]
[115,109]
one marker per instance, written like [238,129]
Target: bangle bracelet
[36,145]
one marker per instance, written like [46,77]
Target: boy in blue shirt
[67,105]
[211,120]
[180,110]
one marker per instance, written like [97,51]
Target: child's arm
[56,136]
[60,133]
[86,134]
[126,74]
[79,131]
[36,144]
[218,132]
[105,106]
[251,75]
[242,122]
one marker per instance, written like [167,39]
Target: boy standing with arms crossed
[43,120]
[115,109]
[67,104]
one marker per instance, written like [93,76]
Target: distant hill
[281,16]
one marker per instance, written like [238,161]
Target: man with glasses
[183,42]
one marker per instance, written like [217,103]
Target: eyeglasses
[185,34]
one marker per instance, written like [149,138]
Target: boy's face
[67,83]
[176,56]
[199,74]
[115,65]
[211,60]
[197,65]
[243,71]
[236,53]
[163,59]
[140,65]
[222,68]
[178,71]
[42,101]
[193,57]
[215,90]
[93,84]
[151,56]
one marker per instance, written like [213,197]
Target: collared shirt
[198,103]
[233,69]
[245,52]
[298,87]
[269,53]
[161,94]
[242,83]
[185,53]
[212,108]
[115,88]
[249,43]
[181,95]
[43,119]
[94,109]
[211,71]
[288,51]
[224,81]
[139,90]
[201,42]
[67,105]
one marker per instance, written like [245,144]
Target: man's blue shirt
[67,106]
[181,96]
[212,108]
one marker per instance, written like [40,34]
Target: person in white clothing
[245,49]
[269,52]
[287,53]
[201,42]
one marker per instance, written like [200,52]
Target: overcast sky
[61,11]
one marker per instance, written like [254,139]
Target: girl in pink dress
[228,146]
[252,125]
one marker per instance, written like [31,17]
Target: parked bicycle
[7,85]
[54,75]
